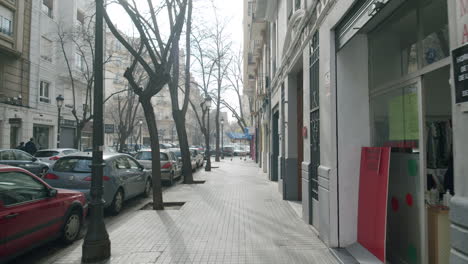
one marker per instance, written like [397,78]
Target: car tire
[171,179]
[147,191]
[117,202]
[72,227]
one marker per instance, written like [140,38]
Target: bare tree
[236,83]
[222,58]
[157,62]
[200,40]
[177,113]
[81,73]
[124,111]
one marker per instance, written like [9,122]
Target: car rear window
[45,154]
[146,155]
[81,164]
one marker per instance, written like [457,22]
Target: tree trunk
[122,141]
[77,139]
[179,120]
[155,158]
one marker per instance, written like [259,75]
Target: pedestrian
[20,146]
[137,148]
[30,147]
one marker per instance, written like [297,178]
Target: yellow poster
[403,117]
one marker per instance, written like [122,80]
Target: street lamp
[207,105]
[60,100]
[222,138]
[96,245]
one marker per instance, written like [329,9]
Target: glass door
[397,122]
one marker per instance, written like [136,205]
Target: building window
[44,92]
[48,7]
[80,17]
[79,61]
[250,8]
[46,49]
[6,21]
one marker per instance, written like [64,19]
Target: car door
[26,161]
[137,179]
[123,172]
[29,215]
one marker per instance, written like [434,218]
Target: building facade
[330,77]
[15,64]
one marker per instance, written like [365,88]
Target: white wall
[353,130]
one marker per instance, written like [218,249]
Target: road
[49,251]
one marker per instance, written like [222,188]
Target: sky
[230,10]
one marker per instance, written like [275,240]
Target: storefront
[67,133]
[393,90]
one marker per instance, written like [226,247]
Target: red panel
[373,191]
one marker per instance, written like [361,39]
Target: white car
[50,156]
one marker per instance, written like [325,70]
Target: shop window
[435,42]
[46,49]
[44,92]
[48,8]
[6,21]
[395,118]
[394,46]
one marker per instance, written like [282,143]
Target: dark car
[123,178]
[228,151]
[32,212]
[19,158]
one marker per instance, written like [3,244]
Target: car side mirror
[33,159]
[52,193]
[141,167]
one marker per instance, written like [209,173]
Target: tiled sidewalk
[237,216]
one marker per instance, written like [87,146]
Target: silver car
[19,158]
[197,156]
[170,168]
[50,156]
[123,178]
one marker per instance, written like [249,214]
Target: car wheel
[43,172]
[171,179]
[147,190]
[72,227]
[117,203]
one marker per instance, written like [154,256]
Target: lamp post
[60,100]
[140,122]
[207,105]
[96,245]
[222,138]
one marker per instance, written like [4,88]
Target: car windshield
[76,164]
[146,155]
[45,154]
[177,153]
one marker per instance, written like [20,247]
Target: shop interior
[411,110]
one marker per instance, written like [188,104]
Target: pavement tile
[237,216]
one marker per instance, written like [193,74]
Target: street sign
[109,128]
[460,69]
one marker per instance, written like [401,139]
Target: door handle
[13,215]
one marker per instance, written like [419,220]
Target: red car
[32,212]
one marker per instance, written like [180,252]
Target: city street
[47,252]
[236,216]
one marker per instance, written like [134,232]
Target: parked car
[239,152]
[228,151]
[32,212]
[170,168]
[198,157]
[179,158]
[50,156]
[106,150]
[19,158]
[123,178]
